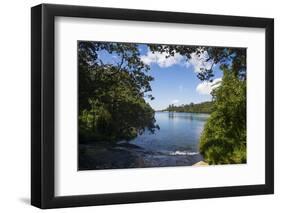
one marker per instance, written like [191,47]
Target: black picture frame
[43,117]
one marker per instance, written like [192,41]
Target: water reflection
[188,116]
[179,133]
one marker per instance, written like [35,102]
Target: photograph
[160,105]
[133,105]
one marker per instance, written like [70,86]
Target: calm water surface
[176,143]
[178,135]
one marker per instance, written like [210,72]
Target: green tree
[204,107]
[111,94]
[223,140]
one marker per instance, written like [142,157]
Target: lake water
[176,143]
[177,140]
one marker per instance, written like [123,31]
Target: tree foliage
[223,140]
[111,95]
[204,107]
[225,57]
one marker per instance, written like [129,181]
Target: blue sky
[175,79]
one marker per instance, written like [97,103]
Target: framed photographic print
[139,106]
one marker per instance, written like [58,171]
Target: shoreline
[208,113]
[201,163]
[126,155]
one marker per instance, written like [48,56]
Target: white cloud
[175,101]
[161,59]
[199,62]
[205,88]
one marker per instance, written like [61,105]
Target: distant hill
[204,107]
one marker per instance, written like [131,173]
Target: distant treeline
[204,107]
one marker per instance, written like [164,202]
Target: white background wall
[15,105]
